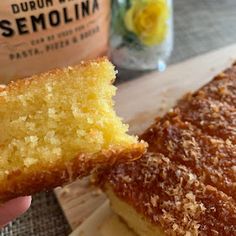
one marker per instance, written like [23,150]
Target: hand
[12,209]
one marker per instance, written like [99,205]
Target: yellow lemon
[148,20]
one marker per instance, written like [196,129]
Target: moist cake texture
[186,183]
[60,125]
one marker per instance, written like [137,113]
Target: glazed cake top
[187,181]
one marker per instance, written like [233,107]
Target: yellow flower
[148,20]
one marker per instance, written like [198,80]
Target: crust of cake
[46,177]
[169,198]
[14,85]
[200,133]
[186,183]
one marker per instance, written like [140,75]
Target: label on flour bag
[38,35]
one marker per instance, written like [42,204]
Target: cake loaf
[186,183]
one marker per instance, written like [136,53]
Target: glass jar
[142,34]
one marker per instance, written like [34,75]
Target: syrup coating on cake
[186,183]
[200,133]
[223,87]
[170,195]
[213,108]
[212,159]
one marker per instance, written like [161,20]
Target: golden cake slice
[186,183]
[60,125]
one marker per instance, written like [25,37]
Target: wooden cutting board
[139,102]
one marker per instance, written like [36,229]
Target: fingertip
[14,208]
[24,203]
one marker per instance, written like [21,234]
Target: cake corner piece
[60,125]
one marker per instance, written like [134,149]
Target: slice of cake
[157,197]
[60,125]
[186,183]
